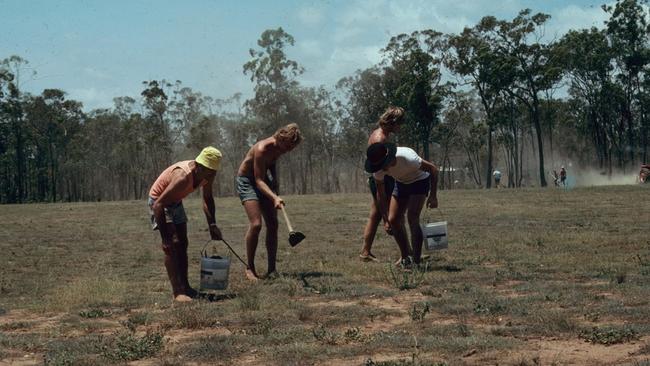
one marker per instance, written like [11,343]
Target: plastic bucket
[435,235]
[214,272]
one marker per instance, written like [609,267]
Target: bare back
[378,135]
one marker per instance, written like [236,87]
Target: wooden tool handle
[286,218]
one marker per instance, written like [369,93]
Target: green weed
[407,279]
[15,326]
[94,313]
[419,310]
[609,335]
[127,346]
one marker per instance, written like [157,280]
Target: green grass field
[531,277]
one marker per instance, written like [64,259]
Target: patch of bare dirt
[565,352]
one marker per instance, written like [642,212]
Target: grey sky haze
[98,50]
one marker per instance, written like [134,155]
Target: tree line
[496,95]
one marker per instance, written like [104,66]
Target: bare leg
[270,215]
[371,229]
[254,213]
[396,212]
[415,205]
[173,264]
[181,232]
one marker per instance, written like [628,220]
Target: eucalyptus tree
[15,132]
[362,98]
[527,62]
[628,33]
[274,76]
[472,56]
[55,122]
[413,65]
[157,133]
[586,57]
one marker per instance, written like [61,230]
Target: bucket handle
[442,215]
[205,254]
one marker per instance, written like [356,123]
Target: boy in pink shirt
[168,215]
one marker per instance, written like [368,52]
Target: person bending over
[168,215]
[259,193]
[414,179]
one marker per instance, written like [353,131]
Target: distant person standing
[414,179]
[563,176]
[168,215]
[497,178]
[259,193]
[388,123]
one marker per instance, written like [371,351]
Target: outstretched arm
[259,171]
[209,210]
[432,201]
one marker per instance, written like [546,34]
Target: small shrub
[488,307]
[127,346]
[211,348]
[419,310]
[325,336]
[15,326]
[354,335]
[609,335]
[93,313]
[407,280]
[249,301]
[414,361]
[197,315]
[134,320]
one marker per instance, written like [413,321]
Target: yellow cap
[209,158]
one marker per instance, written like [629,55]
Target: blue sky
[98,50]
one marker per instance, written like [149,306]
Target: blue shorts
[247,189]
[403,190]
[174,214]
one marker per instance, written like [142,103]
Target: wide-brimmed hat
[379,155]
[210,158]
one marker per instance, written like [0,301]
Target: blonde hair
[392,117]
[289,133]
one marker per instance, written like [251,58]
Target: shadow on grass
[428,265]
[211,297]
[303,276]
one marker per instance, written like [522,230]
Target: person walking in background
[414,179]
[168,215]
[497,178]
[563,176]
[556,178]
[259,194]
[388,123]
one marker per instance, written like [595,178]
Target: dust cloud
[598,178]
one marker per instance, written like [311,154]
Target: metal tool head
[295,237]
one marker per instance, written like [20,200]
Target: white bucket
[214,272]
[435,235]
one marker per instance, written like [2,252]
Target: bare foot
[368,257]
[252,276]
[182,298]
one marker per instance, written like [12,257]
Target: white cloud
[93,98]
[310,48]
[311,15]
[97,74]
[574,17]
[343,61]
